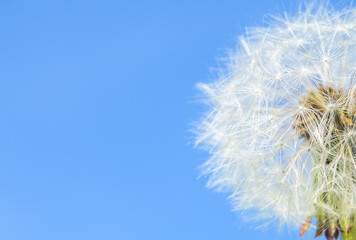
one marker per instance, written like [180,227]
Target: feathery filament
[281,125]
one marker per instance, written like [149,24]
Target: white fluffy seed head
[258,108]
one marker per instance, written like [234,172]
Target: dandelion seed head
[281,128]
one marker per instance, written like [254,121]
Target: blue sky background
[96,101]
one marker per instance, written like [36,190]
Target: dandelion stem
[349,236]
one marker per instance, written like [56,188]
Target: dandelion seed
[282,123]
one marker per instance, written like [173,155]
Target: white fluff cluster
[262,107]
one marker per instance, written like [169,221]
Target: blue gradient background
[97,100]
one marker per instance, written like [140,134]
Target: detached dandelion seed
[282,122]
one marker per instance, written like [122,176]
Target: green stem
[350,236]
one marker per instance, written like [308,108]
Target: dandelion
[281,128]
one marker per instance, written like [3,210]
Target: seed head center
[326,112]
